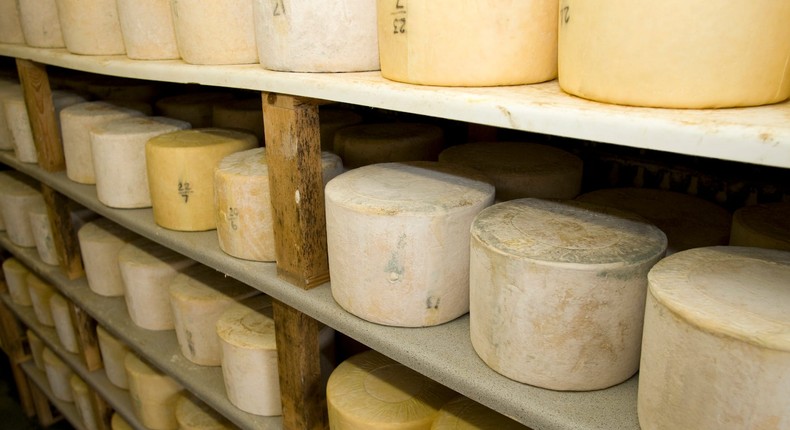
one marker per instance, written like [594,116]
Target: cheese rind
[462,413]
[58,375]
[147,29]
[82,400]
[763,226]
[243,114]
[18,194]
[36,349]
[91,27]
[10,23]
[113,354]
[7,90]
[16,279]
[40,293]
[215,32]
[64,327]
[192,414]
[154,394]
[366,144]
[42,233]
[332,120]
[40,23]
[118,423]
[100,242]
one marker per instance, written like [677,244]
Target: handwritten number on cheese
[566,14]
[184,190]
[398,5]
[399,25]
[279,7]
[399,22]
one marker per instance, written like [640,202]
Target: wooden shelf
[68,410]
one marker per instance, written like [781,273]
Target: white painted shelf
[39,378]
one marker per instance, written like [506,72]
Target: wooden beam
[41,111]
[64,233]
[88,342]
[43,408]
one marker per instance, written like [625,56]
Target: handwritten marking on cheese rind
[184,190]
[279,7]
[233,216]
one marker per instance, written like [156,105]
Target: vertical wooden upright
[14,341]
[41,111]
[64,232]
[88,342]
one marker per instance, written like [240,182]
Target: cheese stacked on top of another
[40,293]
[361,145]
[58,375]
[91,27]
[763,226]
[18,193]
[154,394]
[16,279]
[147,29]
[113,354]
[61,316]
[40,23]
[192,414]
[100,242]
[462,413]
[215,32]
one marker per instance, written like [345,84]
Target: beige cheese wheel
[40,293]
[243,114]
[468,42]
[42,233]
[118,149]
[19,193]
[118,423]
[217,32]
[7,90]
[332,120]
[180,169]
[64,326]
[521,169]
[36,349]
[716,346]
[199,295]
[10,23]
[16,279]
[147,269]
[147,29]
[194,108]
[242,197]
[192,414]
[82,401]
[564,278]
[91,27]
[361,145]
[462,413]
[58,375]
[398,240]
[304,36]
[154,394]
[100,242]
[763,226]
[40,23]
[113,354]
[370,391]
[664,54]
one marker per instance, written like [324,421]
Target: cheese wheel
[192,414]
[361,145]
[199,295]
[42,233]
[100,242]
[36,349]
[118,149]
[40,293]
[64,327]
[10,24]
[676,60]
[462,413]
[242,197]
[567,279]
[521,169]
[8,178]
[16,279]
[398,240]
[194,108]
[91,27]
[147,269]
[716,348]
[370,390]
[7,90]
[40,23]
[219,32]
[113,354]
[468,42]
[58,375]
[180,169]
[147,29]
[153,394]
[763,226]
[82,401]
[304,36]
[243,114]
[118,423]
[332,120]
[19,193]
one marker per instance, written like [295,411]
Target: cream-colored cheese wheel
[675,61]
[42,233]
[468,42]
[398,240]
[113,354]
[194,108]
[763,226]
[218,32]
[243,114]
[370,390]
[40,23]
[118,149]
[118,423]
[147,269]
[10,23]
[64,327]
[100,242]
[462,413]
[716,346]
[192,414]
[244,214]
[36,349]
[564,278]
[180,169]
[58,375]
[361,145]
[8,178]
[16,279]
[19,193]
[304,36]
[82,400]
[7,90]
[40,293]
[332,120]
[154,394]
[91,27]
[521,169]
[199,295]
[147,29]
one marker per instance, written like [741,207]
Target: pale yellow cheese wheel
[180,169]
[19,193]
[361,145]
[36,349]
[192,414]
[113,354]
[91,27]
[154,394]
[462,413]
[468,42]
[64,327]
[217,32]
[763,226]
[10,24]
[40,293]
[58,375]
[716,345]
[675,53]
[42,233]
[100,242]
[82,401]
[40,23]
[194,108]
[16,279]
[118,423]
[147,29]
[7,89]
[332,120]
[243,114]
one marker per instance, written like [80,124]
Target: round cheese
[763,226]
[40,293]
[398,240]
[332,120]
[18,194]
[147,269]
[370,390]
[192,414]
[716,344]
[366,144]
[10,24]
[242,114]
[42,234]
[147,29]
[40,23]
[91,27]
[521,169]
[58,375]
[36,349]
[180,169]
[462,413]
[82,400]
[118,149]
[331,36]
[244,214]
[215,32]
[468,42]
[675,61]
[16,279]
[100,242]
[64,327]
[113,354]
[7,90]
[153,394]
[118,423]
[564,278]
[194,108]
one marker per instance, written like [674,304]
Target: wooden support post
[64,234]
[102,412]
[293,152]
[41,111]
[298,361]
[43,408]
[85,329]
[15,342]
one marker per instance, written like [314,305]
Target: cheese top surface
[200,138]
[95,110]
[78,386]
[202,283]
[740,292]
[248,325]
[462,413]
[511,157]
[39,286]
[62,99]
[771,219]
[103,230]
[253,162]
[13,265]
[135,366]
[18,185]
[192,414]
[141,125]
[52,360]
[118,423]
[146,253]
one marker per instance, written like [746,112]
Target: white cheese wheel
[217,32]
[468,42]
[16,279]
[199,295]
[194,108]
[118,149]
[7,89]
[398,240]
[332,120]
[100,242]
[42,233]
[244,214]
[462,413]
[180,169]
[64,327]
[118,423]
[716,346]
[58,375]
[10,24]
[675,61]
[40,293]
[82,401]
[243,114]
[763,226]
[305,36]
[370,390]
[91,27]
[192,414]
[19,193]
[521,169]
[40,23]
[36,349]
[153,394]
[147,269]
[564,278]
[113,354]
[361,145]
[147,29]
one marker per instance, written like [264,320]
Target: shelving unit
[39,378]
